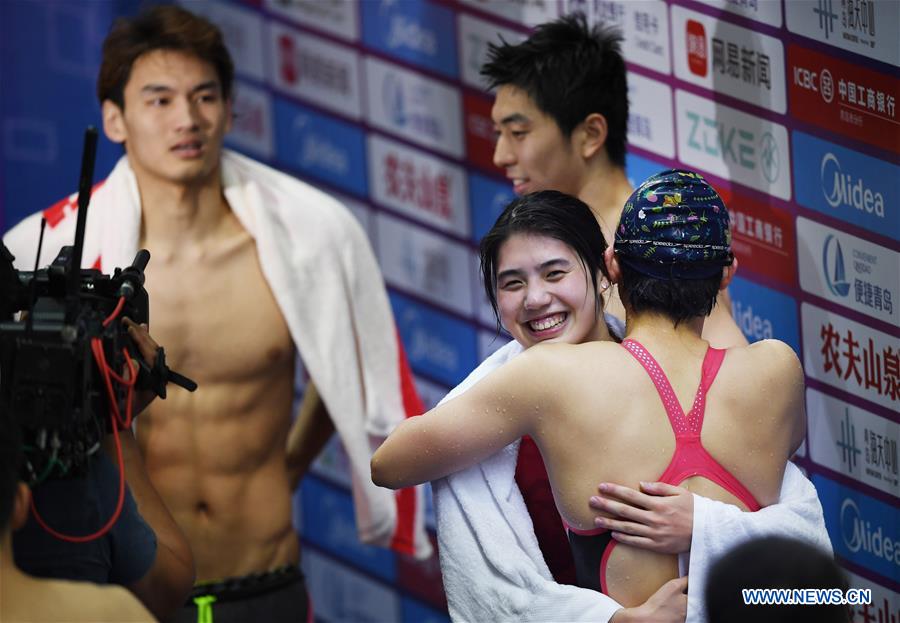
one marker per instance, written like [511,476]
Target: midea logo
[858,535]
[851,519]
[833,265]
[842,189]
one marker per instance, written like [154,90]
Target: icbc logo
[827,86]
[288,64]
[818,83]
[696,48]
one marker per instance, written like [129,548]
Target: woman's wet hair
[555,215]
[678,300]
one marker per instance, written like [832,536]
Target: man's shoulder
[278,181]
[291,198]
[27,235]
[24,237]
[66,209]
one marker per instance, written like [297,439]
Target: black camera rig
[64,349]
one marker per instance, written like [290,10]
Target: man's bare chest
[217,316]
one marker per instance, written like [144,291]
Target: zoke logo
[842,189]
[713,137]
[695,35]
[833,265]
[858,535]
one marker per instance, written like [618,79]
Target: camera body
[50,380]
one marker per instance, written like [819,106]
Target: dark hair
[569,70]
[678,299]
[773,562]
[162,27]
[546,213]
[10,465]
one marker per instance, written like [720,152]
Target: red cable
[115,420]
[115,312]
[112,520]
[100,356]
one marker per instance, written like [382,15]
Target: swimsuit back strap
[661,382]
[712,361]
[682,424]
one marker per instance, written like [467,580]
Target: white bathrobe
[492,566]
[325,279]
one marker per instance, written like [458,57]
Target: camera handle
[133,276]
[157,376]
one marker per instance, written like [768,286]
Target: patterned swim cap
[675,226]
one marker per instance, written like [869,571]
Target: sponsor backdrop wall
[788,107]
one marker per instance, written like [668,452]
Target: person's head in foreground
[672,251]
[165,89]
[26,598]
[561,105]
[773,563]
[543,270]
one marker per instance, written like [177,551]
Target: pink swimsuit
[592,548]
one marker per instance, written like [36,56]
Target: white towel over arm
[719,527]
[492,567]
